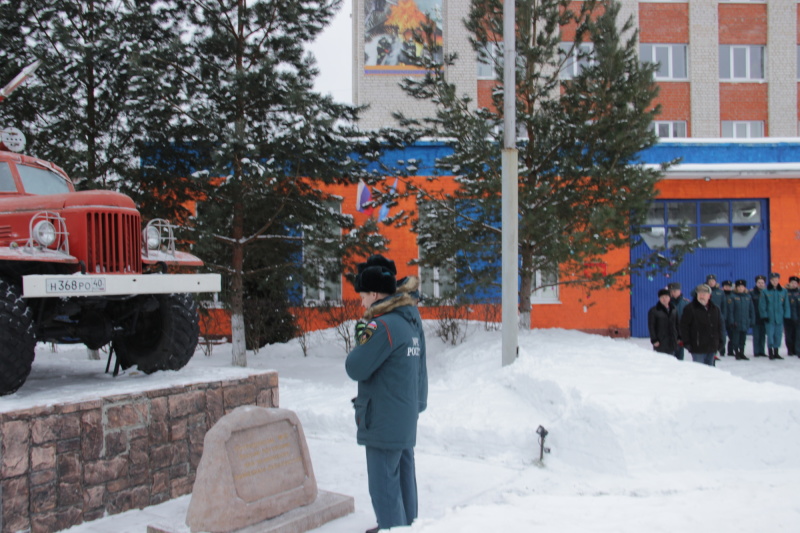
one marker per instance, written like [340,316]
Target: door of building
[736,246]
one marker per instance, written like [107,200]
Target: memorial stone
[255,466]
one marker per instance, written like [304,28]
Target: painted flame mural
[394,41]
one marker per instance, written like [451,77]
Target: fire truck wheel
[165,336]
[17,341]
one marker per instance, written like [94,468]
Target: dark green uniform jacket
[741,313]
[773,306]
[389,365]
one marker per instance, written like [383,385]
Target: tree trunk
[239,346]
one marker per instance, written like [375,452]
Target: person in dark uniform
[741,317]
[727,290]
[389,364]
[792,325]
[759,328]
[679,303]
[702,327]
[663,324]
[773,306]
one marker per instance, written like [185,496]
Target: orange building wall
[743,23]
[602,311]
[664,23]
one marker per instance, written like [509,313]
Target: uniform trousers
[774,334]
[392,486]
[791,328]
[738,338]
[759,338]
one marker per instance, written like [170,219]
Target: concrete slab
[327,507]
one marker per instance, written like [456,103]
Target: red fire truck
[77,267]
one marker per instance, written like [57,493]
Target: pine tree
[233,99]
[581,186]
[82,121]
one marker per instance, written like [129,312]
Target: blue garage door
[736,247]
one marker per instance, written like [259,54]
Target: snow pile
[639,440]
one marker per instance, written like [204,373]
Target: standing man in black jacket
[760,327]
[702,327]
[663,324]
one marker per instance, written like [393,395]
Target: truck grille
[114,243]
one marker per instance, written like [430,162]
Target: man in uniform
[389,364]
[679,303]
[663,324]
[759,328]
[792,325]
[727,291]
[718,297]
[773,306]
[741,317]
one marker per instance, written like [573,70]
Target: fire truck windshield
[41,181]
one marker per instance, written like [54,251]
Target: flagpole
[510,202]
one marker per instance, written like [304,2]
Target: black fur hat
[376,278]
[377,260]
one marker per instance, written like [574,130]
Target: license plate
[76,285]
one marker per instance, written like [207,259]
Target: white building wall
[704,68]
[782,68]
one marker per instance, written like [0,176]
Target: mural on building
[394,41]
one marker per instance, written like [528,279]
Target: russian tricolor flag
[363,198]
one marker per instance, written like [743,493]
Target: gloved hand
[360,327]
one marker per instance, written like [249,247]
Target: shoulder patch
[366,334]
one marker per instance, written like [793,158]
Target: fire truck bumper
[56,286]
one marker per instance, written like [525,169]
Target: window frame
[671,124]
[494,52]
[736,124]
[671,53]
[575,64]
[728,61]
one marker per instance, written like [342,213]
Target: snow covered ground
[640,442]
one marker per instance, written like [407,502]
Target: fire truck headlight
[44,233]
[153,238]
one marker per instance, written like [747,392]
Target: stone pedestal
[62,464]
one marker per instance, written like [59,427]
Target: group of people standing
[716,314]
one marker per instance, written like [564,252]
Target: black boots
[773,354]
[739,354]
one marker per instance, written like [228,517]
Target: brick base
[64,464]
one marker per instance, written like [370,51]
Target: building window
[487,60]
[545,286]
[328,283]
[741,62]
[670,58]
[742,129]
[576,58]
[720,223]
[669,129]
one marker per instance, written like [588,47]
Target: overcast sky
[334,52]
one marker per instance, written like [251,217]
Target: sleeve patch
[366,335]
